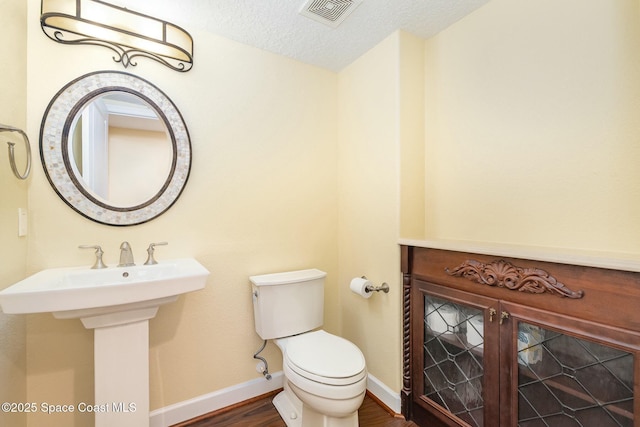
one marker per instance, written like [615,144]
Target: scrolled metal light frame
[127,33]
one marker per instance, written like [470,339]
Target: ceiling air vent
[329,12]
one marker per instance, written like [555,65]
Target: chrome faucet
[126,256]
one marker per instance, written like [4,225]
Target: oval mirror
[115,148]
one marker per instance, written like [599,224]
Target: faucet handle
[150,250]
[99,253]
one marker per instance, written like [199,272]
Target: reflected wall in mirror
[120,149]
[115,148]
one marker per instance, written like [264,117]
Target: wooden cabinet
[501,342]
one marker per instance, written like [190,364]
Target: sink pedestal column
[121,357]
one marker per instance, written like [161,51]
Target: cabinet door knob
[504,315]
[492,312]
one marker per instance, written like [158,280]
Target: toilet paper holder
[370,288]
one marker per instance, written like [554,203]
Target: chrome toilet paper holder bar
[370,288]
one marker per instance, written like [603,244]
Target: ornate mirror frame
[54,132]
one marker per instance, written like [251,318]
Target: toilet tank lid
[287,277]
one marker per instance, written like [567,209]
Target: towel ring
[12,156]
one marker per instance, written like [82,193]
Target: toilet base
[314,419]
[295,414]
[289,407]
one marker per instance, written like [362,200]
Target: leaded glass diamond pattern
[572,382]
[453,368]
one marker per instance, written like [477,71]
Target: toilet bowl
[325,381]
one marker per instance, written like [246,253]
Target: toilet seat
[324,358]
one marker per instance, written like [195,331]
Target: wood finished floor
[262,413]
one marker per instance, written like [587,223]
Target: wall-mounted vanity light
[129,34]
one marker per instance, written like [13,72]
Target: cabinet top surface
[608,260]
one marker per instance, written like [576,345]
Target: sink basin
[81,291]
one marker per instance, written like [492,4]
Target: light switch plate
[22,222]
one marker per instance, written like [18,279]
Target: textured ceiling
[277,26]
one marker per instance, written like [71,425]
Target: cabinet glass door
[568,381]
[453,358]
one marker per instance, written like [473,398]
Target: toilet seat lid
[324,355]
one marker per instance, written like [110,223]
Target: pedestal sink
[117,304]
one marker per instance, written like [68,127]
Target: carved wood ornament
[503,274]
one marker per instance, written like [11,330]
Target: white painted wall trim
[188,409]
[192,408]
[384,394]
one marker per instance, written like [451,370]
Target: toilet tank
[288,303]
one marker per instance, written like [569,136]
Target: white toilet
[325,375]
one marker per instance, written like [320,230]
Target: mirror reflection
[115,148]
[120,149]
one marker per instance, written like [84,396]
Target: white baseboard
[192,408]
[387,396]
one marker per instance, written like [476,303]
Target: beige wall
[532,126]
[375,140]
[261,198]
[13,193]
[139,164]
